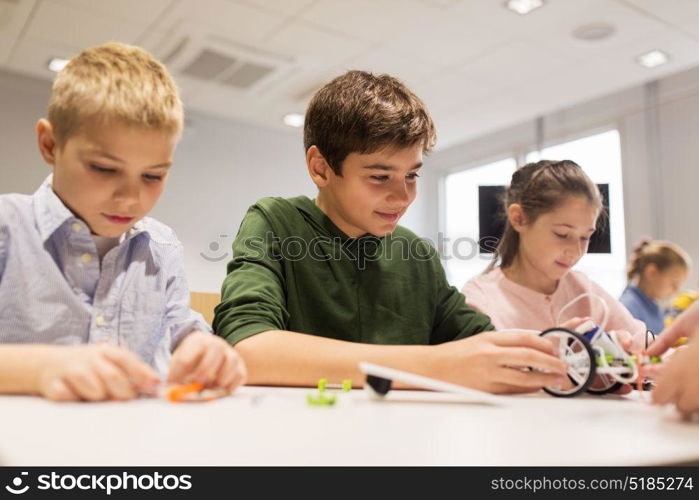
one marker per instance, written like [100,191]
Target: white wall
[660,150]
[22,102]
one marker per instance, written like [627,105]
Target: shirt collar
[642,295]
[141,227]
[51,213]
[321,219]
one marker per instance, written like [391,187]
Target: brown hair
[663,254]
[539,188]
[114,81]
[359,112]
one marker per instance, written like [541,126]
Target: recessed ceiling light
[523,6]
[56,64]
[652,59]
[293,120]
[593,31]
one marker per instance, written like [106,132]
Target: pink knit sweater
[511,305]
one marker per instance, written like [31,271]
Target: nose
[127,193]
[400,192]
[576,249]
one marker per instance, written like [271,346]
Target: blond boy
[93,299]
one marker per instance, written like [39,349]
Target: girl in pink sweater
[552,209]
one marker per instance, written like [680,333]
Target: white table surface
[275,426]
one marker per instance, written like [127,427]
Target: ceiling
[477,65]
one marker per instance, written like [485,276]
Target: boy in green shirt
[316,286]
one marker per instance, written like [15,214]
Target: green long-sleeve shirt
[293,269]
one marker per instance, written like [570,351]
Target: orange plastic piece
[181,392]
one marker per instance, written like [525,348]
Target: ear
[46,141]
[318,167]
[650,271]
[515,214]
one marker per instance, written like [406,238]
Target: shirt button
[99,320]
[86,257]
[77,227]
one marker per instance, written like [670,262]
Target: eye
[380,178]
[153,177]
[562,236]
[412,177]
[103,170]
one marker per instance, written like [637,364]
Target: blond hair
[663,254]
[114,82]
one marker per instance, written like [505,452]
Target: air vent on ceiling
[215,60]
[208,64]
[247,74]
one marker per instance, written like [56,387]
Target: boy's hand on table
[511,361]
[209,360]
[94,373]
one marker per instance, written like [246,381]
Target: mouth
[388,216]
[563,265]
[118,219]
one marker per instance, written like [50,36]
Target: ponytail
[663,254]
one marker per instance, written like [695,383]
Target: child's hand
[511,361]
[93,373]
[685,325]
[654,371]
[633,344]
[678,380]
[209,360]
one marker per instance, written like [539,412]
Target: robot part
[591,352]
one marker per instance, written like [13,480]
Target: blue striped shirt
[54,290]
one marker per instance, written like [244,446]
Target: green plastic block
[608,357]
[320,399]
